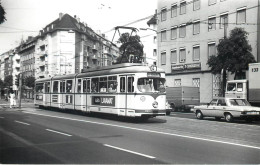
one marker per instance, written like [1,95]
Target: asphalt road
[47,137]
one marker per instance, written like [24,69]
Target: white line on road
[133,152]
[1,117]
[58,132]
[22,122]
[151,131]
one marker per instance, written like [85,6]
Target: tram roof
[124,68]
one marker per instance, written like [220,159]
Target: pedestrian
[12,99]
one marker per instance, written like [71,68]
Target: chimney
[78,19]
[60,15]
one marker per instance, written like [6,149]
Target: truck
[182,98]
[247,88]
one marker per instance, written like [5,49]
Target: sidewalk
[25,104]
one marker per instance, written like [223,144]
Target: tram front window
[151,85]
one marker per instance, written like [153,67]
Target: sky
[26,17]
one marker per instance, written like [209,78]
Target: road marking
[133,152]
[1,117]
[151,131]
[58,132]
[22,122]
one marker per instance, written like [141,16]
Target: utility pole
[20,90]
[223,71]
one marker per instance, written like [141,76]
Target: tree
[131,49]
[8,81]
[2,14]
[234,54]
[29,81]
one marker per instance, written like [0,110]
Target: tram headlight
[142,98]
[155,104]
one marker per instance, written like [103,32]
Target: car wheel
[217,118]
[229,117]
[199,115]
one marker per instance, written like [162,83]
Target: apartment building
[189,32]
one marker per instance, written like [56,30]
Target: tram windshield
[151,85]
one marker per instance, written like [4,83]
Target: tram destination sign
[103,100]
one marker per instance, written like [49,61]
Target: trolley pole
[20,90]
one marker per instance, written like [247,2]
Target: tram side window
[112,84]
[103,84]
[88,86]
[47,87]
[55,86]
[94,85]
[69,86]
[79,86]
[122,84]
[84,86]
[130,84]
[62,86]
[39,88]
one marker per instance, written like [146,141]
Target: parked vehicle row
[229,109]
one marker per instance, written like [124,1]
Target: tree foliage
[234,53]
[8,81]
[2,14]
[131,49]
[29,81]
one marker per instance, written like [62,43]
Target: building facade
[189,32]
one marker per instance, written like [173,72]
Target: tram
[129,89]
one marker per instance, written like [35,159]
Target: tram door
[84,98]
[122,99]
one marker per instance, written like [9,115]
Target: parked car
[229,109]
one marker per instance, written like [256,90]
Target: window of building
[182,55]
[196,53]
[196,5]
[174,56]
[212,23]
[196,82]
[211,49]
[241,16]
[212,2]
[177,82]
[154,52]
[163,35]
[174,10]
[173,33]
[163,14]
[183,7]
[196,27]
[182,30]
[155,39]
[223,21]
[163,58]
